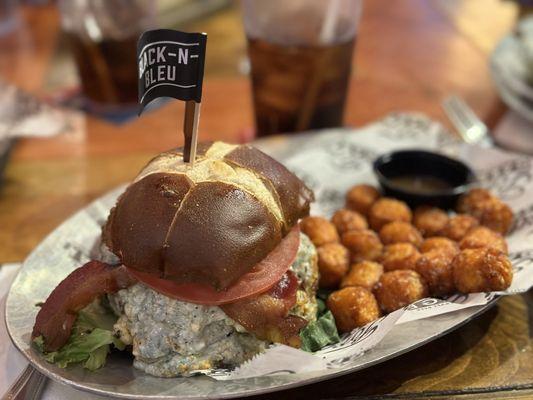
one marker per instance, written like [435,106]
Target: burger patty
[172,338]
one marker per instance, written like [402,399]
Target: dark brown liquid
[420,183]
[108,69]
[298,88]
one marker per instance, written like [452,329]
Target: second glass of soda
[301,56]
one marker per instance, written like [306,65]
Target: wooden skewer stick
[190,130]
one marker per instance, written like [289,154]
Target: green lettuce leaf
[319,333]
[321,307]
[96,315]
[97,358]
[90,341]
[39,343]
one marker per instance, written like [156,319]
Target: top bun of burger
[209,223]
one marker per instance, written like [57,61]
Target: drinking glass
[300,55]
[8,16]
[102,35]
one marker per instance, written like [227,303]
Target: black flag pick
[171,64]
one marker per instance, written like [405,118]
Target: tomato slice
[259,279]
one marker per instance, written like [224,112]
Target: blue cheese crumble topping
[174,338]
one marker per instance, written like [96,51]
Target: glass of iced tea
[102,36]
[300,55]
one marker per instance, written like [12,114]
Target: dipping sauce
[421,177]
[424,184]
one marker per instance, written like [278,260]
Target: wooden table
[410,55]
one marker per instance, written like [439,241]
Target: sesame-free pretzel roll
[210,223]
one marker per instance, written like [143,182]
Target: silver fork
[471,129]
[28,386]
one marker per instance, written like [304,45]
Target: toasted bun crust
[210,223]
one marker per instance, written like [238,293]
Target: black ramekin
[418,162]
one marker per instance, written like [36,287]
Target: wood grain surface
[410,55]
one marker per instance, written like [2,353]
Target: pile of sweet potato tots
[378,256]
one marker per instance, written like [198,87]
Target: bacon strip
[266,315]
[58,313]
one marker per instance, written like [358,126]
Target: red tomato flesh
[259,279]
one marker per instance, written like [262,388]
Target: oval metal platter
[330,162]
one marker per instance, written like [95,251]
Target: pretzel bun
[209,223]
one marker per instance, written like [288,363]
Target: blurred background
[79,54]
[68,124]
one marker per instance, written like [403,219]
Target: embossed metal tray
[343,154]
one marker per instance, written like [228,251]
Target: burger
[209,268]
